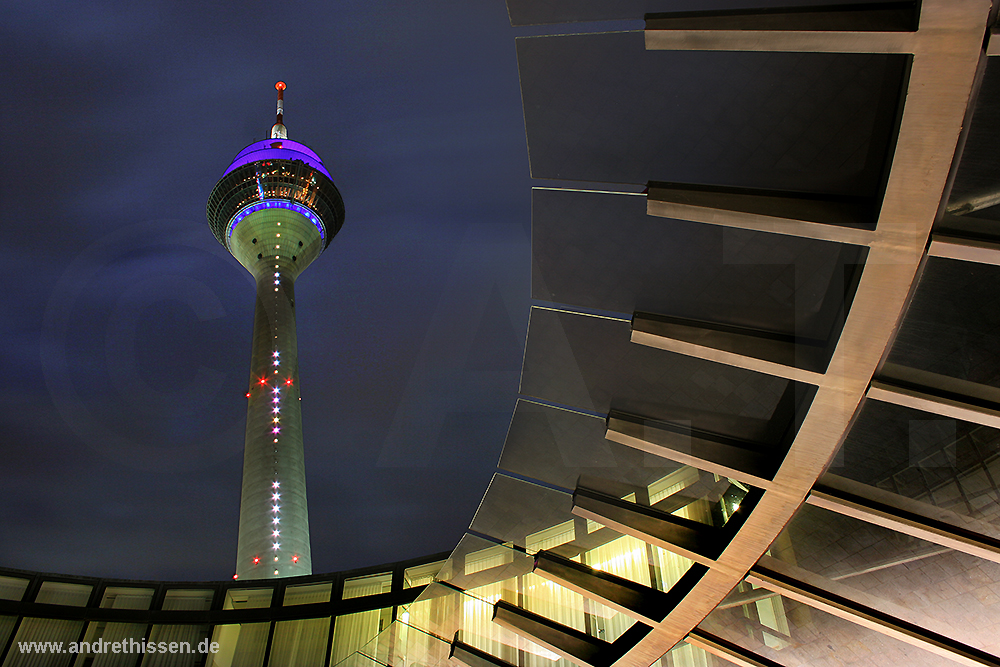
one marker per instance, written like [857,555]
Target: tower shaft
[274,519]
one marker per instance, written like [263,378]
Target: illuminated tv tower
[276,210]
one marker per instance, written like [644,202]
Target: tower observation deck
[276,210]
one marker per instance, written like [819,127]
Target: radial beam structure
[276,210]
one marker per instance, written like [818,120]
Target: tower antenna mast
[279,131]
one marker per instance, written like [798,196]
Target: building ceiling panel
[512,509]
[478,562]
[937,588]
[952,327]
[601,251]
[976,186]
[790,633]
[589,363]
[600,107]
[534,12]
[943,462]
[559,446]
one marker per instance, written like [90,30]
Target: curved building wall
[758,422]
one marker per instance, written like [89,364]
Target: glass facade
[119,597]
[308,594]
[176,645]
[369,584]
[299,621]
[58,592]
[248,598]
[352,631]
[241,644]
[33,629]
[300,643]
[12,588]
[421,575]
[193,599]
[7,624]
[99,633]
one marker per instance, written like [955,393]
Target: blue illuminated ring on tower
[294,182]
[275,203]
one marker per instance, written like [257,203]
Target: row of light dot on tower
[275,426]
[276,430]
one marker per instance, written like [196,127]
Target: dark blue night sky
[126,326]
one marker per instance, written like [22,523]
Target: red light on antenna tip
[280,85]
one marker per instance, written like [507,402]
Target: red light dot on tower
[256,559]
[295,559]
